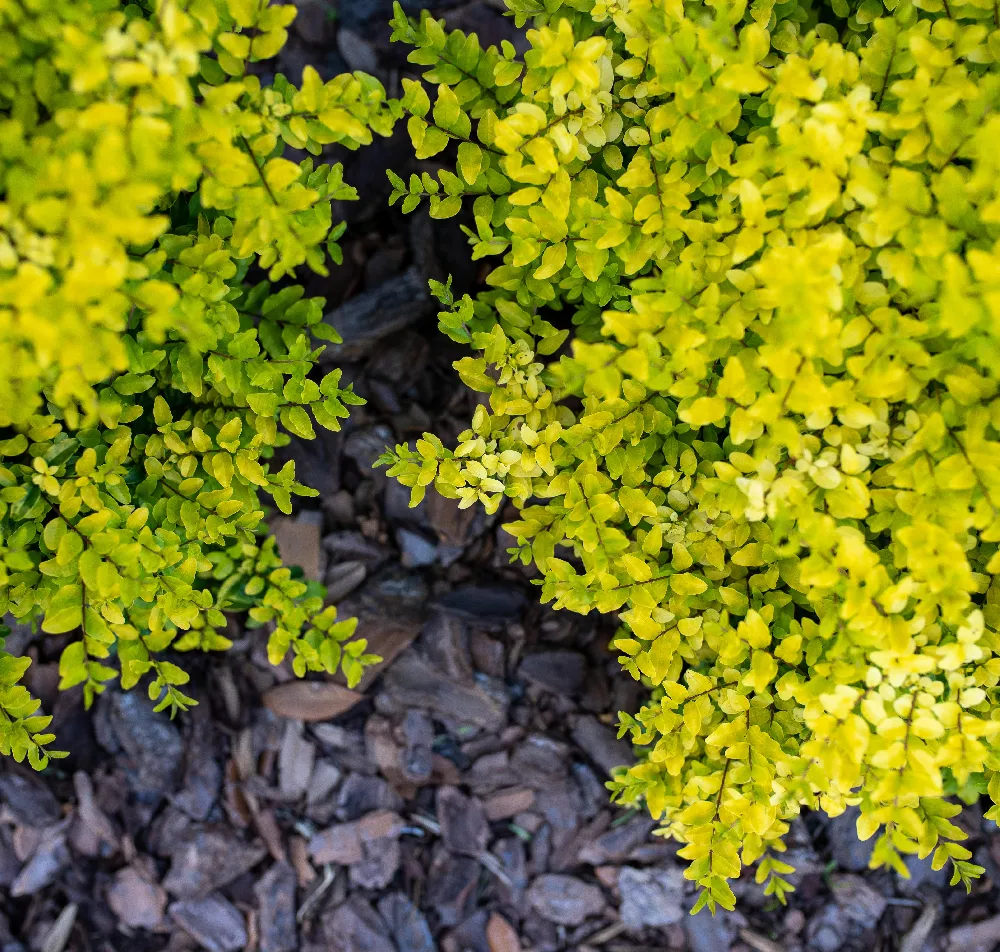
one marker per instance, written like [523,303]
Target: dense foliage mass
[146,375]
[773,445]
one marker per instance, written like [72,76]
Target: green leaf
[12,669]
[296,420]
[470,161]
[130,384]
[68,618]
[244,12]
[687,584]
[263,403]
[192,368]
[72,665]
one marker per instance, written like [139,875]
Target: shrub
[149,366]
[772,443]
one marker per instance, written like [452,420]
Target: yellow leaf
[687,584]
[704,411]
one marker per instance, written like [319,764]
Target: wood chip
[266,824]
[561,672]
[602,744]
[386,638]
[213,922]
[862,902]
[407,924]
[344,578]
[358,53]
[275,893]
[346,843]
[298,855]
[565,900]
[138,903]
[300,543]
[414,682]
[376,313]
[353,926]
[914,940]
[462,821]
[759,942]
[49,859]
[976,937]
[507,803]
[310,700]
[29,800]
[501,936]
[387,755]
[91,832]
[451,887]
[59,934]
[295,761]
[451,524]
[325,777]
[207,859]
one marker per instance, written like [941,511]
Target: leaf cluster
[771,445]
[149,369]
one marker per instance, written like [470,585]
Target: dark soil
[456,800]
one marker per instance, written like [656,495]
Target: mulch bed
[455,801]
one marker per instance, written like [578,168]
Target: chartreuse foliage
[146,376]
[773,445]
